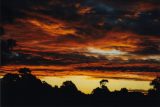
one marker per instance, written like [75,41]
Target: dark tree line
[6,47]
[24,89]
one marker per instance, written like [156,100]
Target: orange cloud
[54,29]
[85,10]
[66,71]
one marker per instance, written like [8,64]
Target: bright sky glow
[105,52]
[86,83]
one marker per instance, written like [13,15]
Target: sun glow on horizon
[87,83]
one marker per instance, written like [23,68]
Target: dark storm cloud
[52,58]
[126,4]
[105,15]
[64,9]
[69,38]
[148,47]
[12,9]
[120,15]
[132,68]
[70,58]
[147,23]
[111,13]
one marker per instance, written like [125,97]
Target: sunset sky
[84,35]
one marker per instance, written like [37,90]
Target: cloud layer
[61,32]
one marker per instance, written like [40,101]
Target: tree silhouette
[156,84]
[1,31]
[11,43]
[103,90]
[24,71]
[124,90]
[6,47]
[103,82]
[24,89]
[69,86]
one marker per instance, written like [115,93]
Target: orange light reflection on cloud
[69,70]
[84,10]
[124,41]
[54,29]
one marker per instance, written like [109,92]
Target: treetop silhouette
[24,71]
[156,84]
[25,89]
[103,82]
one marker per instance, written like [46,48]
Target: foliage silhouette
[102,90]
[11,43]
[1,31]
[6,47]
[24,89]
[156,84]
[124,90]
[103,82]
[24,71]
